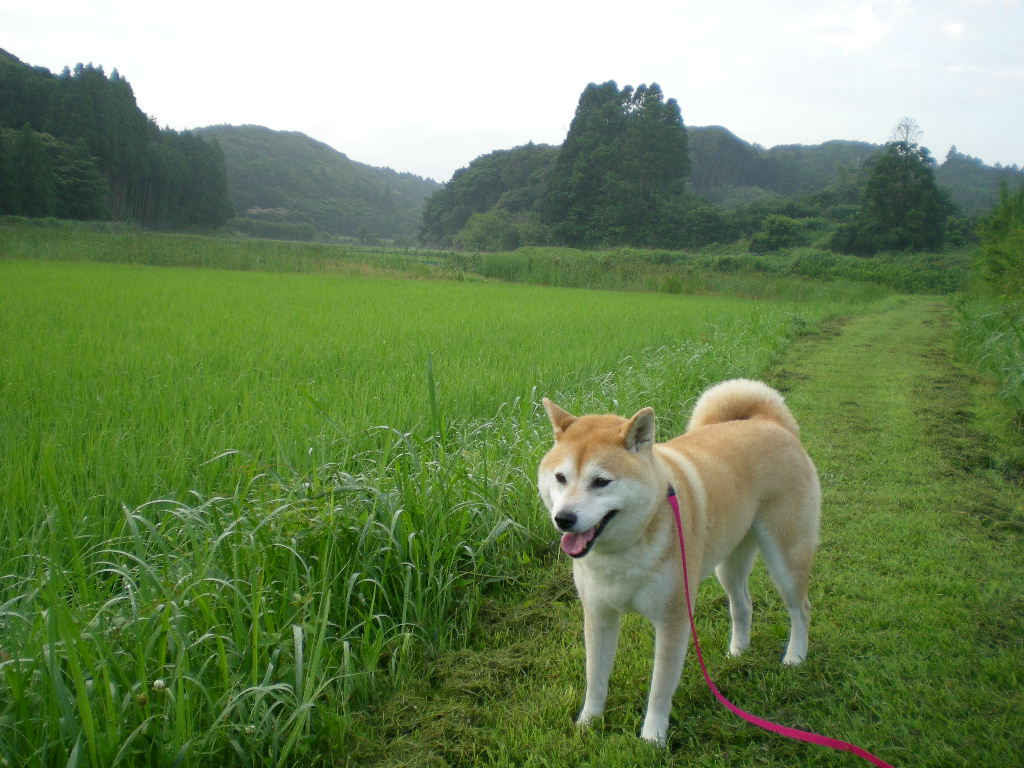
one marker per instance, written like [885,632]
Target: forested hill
[77,146]
[287,184]
[630,172]
[730,171]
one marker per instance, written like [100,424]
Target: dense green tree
[495,230]
[624,156]
[574,199]
[43,176]
[1001,257]
[86,151]
[689,222]
[24,93]
[778,232]
[902,207]
[35,185]
[510,180]
[101,111]
[81,189]
[206,190]
[6,180]
[185,184]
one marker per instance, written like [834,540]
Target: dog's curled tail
[739,399]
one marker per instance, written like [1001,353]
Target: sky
[426,87]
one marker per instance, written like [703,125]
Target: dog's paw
[655,736]
[655,727]
[586,718]
[792,660]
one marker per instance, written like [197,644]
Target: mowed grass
[234,505]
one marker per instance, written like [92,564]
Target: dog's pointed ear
[638,434]
[560,418]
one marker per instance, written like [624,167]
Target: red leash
[792,733]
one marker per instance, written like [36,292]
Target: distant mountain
[279,177]
[730,171]
[723,162]
[974,185]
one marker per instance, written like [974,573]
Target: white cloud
[849,30]
[954,29]
[427,87]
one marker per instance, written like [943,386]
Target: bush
[842,212]
[778,232]
[494,230]
[1001,258]
[854,238]
[814,263]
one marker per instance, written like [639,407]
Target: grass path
[916,639]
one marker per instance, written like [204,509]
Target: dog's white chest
[626,587]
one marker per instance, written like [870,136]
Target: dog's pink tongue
[574,543]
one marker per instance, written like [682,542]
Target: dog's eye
[600,482]
[559,478]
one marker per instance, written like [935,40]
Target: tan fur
[744,483]
[739,399]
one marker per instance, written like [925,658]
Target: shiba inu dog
[744,484]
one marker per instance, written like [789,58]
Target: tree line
[629,172]
[623,177]
[76,145]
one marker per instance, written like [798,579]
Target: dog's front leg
[670,641]
[601,637]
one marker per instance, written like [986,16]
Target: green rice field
[236,504]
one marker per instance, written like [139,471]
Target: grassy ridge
[721,269]
[331,510]
[54,240]
[800,275]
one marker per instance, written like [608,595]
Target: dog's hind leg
[789,567]
[733,574]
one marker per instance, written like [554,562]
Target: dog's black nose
[565,519]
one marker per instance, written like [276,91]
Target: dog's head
[598,480]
